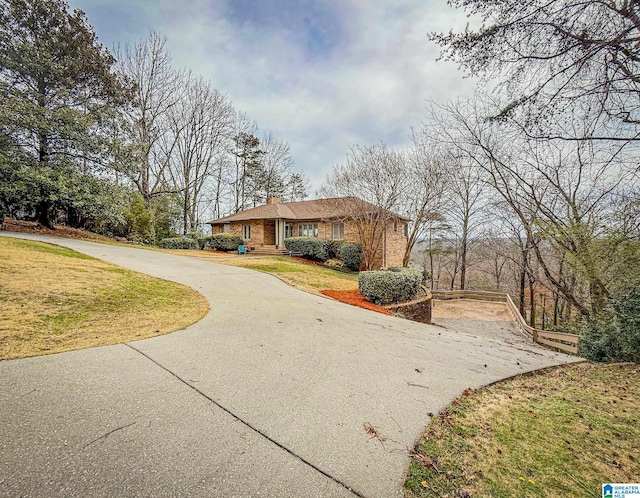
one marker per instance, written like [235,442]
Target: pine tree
[57,91]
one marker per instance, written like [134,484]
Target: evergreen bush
[309,247]
[351,255]
[389,286]
[223,242]
[334,247]
[178,243]
[614,335]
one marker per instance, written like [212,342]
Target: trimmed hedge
[351,255]
[178,243]
[389,286]
[223,242]
[334,247]
[309,247]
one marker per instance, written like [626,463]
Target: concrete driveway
[268,395]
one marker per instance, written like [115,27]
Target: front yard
[54,299]
[302,275]
[560,432]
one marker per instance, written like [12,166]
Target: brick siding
[263,233]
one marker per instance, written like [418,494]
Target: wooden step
[268,251]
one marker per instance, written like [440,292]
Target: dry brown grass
[561,432]
[53,299]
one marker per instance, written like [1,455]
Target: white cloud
[369,82]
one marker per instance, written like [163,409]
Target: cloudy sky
[323,75]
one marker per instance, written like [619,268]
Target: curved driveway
[266,396]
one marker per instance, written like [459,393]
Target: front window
[338,231]
[308,230]
[395,224]
[405,229]
[288,231]
[246,232]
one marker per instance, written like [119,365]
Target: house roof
[302,210]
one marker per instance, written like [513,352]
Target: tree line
[530,187]
[122,142]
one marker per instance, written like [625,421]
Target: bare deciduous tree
[372,182]
[563,194]
[424,199]
[200,127]
[276,163]
[155,88]
[557,58]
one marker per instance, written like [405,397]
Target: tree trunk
[556,310]
[43,214]
[431,255]
[532,302]
[521,297]
[185,212]
[431,268]
[463,256]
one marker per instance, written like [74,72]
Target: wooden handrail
[557,340]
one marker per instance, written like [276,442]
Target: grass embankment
[60,231]
[54,299]
[302,275]
[561,432]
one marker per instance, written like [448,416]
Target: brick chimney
[273,200]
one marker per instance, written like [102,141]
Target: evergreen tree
[57,91]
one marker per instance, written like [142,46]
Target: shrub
[384,286]
[351,255]
[615,335]
[334,247]
[223,242]
[309,247]
[178,243]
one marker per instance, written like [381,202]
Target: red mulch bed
[354,298]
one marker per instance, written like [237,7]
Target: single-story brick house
[265,228]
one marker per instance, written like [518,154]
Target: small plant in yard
[351,255]
[178,243]
[560,432]
[223,242]
[309,247]
[389,286]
